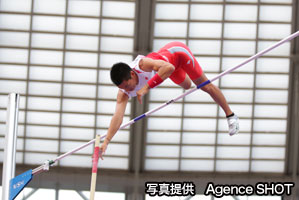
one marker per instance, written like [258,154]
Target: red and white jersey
[143,76]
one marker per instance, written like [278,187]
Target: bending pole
[290,37]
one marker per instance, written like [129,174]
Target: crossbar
[259,54]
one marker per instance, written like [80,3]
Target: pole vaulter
[18,183]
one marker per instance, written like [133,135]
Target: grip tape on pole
[95,159]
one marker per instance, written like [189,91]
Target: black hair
[120,72]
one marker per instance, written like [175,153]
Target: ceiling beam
[292,166]
[144,12]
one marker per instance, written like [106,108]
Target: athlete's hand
[103,148]
[143,91]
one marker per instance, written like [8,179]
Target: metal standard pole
[9,163]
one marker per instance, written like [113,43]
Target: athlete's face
[130,84]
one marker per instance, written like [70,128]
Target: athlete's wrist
[147,87]
[155,81]
[107,140]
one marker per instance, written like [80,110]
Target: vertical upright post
[9,162]
[95,159]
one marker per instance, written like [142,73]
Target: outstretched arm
[163,69]
[116,121]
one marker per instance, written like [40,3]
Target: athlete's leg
[180,78]
[192,68]
[215,93]
[186,84]
[189,67]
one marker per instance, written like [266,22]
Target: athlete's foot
[233,124]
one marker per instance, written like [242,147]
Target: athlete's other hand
[103,148]
[143,91]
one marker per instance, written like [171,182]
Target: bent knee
[186,85]
[208,88]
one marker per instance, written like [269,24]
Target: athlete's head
[123,76]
